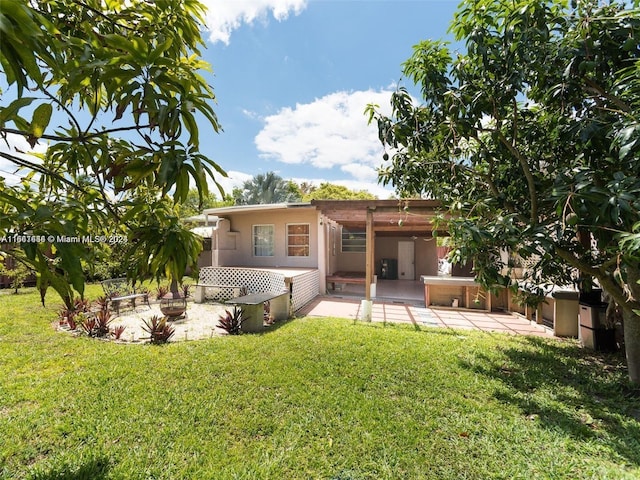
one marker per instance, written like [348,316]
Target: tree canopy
[113,90]
[193,205]
[271,188]
[531,137]
[329,191]
[266,188]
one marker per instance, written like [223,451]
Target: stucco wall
[233,245]
[426,255]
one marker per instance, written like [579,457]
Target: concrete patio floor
[395,312]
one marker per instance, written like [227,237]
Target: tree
[532,139]
[18,272]
[328,191]
[267,188]
[306,188]
[114,90]
[192,205]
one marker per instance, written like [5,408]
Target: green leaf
[626,149]
[7,113]
[41,118]
[155,54]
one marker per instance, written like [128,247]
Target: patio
[400,312]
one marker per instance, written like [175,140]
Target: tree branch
[79,138]
[606,281]
[40,169]
[595,88]
[527,173]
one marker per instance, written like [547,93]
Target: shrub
[158,330]
[81,304]
[88,324]
[18,274]
[103,319]
[231,322]
[96,325]
[66,316]
[161,291]
[117,331]
[103,302]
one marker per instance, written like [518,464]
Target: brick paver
[428,317]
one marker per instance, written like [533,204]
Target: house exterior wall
[350,261]
[426,255]
[232,244]
[332,246]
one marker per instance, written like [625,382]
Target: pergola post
[369,255]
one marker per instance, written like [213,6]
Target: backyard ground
[313,398]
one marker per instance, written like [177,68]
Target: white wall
[233,247]
[426,254]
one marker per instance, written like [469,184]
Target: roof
[202,218]
[256,208]
[404,216]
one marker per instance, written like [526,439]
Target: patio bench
[119,290]
[355,278]
[253,307]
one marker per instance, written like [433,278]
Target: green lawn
[310,399]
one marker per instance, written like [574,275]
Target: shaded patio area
[397,312]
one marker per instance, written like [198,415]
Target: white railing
[304,287]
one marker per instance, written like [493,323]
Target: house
[383,249]
[203,226]
[341,243]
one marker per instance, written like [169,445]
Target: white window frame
[255,246]
[308,235]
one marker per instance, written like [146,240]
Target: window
[354,240]
[263,240]
[298,240]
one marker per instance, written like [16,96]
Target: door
[406,263]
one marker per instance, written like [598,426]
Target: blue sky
[293,78]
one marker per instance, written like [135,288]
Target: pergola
[404,217]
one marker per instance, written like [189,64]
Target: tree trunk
[631,320]
[632,344]
[174,288]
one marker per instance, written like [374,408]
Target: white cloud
[372,187]
[331,131]
[17,146]
[233,179]
[360,171]
[225,16]
[250,114]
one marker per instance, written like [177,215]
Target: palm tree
[267,188]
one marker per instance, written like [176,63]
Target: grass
[312,398]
